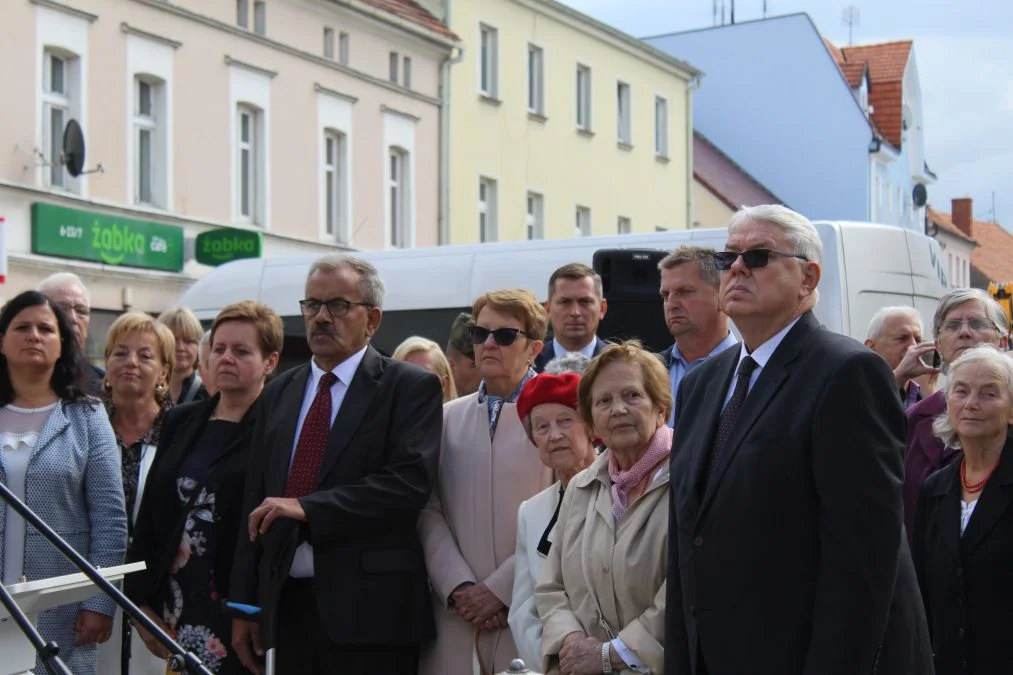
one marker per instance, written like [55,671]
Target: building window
[56,93]
[534,218]
[149,162]
[249,159]
[583,221]
[394,61]
[329,43]
[584,98]
[243,13]
[488,62]
[536,80]
[397,184]
[343,40]
[486,210]
[260,17]
[406,72]
[623,111]
[660,127]
[334,186]
[624,225]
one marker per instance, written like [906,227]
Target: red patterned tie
[309,451]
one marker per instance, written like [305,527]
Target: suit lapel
[992,504]
[947,513]
[54,426]
[710,408]
[282,434]
[353,409]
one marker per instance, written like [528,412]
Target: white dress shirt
[761,355]
[587,350]
[302,563]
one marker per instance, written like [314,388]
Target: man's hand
[92,627]
[150,641]
[580,657]
[914,363]
[270,510]
[477,604]
[246,642]
[456,594]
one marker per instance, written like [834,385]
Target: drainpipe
[691,87]
[444,159]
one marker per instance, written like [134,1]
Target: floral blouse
[131,454]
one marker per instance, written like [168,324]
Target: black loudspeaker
[630,281]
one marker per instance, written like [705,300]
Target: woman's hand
[477,604]
[92,627]
[580,656]
[150,641]
[497,622]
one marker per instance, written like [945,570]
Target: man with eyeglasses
[964,318]
[68,292]
[786,552]
[345,451]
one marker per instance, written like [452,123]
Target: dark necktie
[729,415]
[309,451]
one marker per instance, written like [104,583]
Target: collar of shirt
[344,371]
[587,350]
[677,356]
[763,353]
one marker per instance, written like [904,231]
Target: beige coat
[624,569]
[469,529]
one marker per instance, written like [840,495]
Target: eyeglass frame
[348,304]
[960,323]
[724,267]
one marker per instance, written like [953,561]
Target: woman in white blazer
[547,407]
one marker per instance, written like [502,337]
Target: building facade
[561,126]
[301,126]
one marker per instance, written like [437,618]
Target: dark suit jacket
[549,352]
[377,474]
[925,453]
[967,581]
[793,560]
[161,517]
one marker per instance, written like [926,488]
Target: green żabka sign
[69,233]
[218,247]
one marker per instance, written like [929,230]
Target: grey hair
[797,228]
[204,339]
[999,362]
[958,296]
[60,279]
[370,287]
[571,362]
[880,317]
[701,255]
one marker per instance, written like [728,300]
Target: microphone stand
[49,652]
[181,660]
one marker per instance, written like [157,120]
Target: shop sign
[217,247]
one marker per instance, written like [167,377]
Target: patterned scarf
[496,402]
[624,481]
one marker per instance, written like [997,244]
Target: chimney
[963,215]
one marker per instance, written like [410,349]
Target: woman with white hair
[963,536]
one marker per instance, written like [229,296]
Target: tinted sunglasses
[753,258]
[504,337]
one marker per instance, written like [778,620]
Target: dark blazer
[378,471]
[925,453]
[549,352]
[793,560]
[161,517]
[967,582]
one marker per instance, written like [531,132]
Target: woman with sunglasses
[488,466]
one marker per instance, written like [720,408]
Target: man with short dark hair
[576,306]
[461,356]
[689,291]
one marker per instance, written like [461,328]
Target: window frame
[397,185]
[406,72]
[328,43]
[624,112]
[583,221]
[488,61]
[395,61]
[253,174]
[488,230]
[536,79]
[661,127]
[53,102]
[343,48]
[153,125]
[335,170]
[584,89]
[260,17]
[534,215]
[243,14]
[624,225]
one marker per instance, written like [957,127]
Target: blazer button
[698,541]
[960,633]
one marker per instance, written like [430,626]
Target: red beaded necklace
[974,488]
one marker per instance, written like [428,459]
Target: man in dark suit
[576,306]
[344,456]
[786,546]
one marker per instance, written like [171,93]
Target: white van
[865,267]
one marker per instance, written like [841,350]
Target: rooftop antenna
[852,17]
[764,9]
[714,13]
[733,11]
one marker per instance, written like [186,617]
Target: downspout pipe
[691,87]
[455,57]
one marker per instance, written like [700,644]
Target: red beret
[547,388]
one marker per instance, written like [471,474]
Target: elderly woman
[185,386]
[602,595]
[57,454]
[487,468]
[427,354]
[547,407]
[191,513]
[963,536]
[965,318]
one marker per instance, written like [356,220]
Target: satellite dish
[919,195]
[73,148]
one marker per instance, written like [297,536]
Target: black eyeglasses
[504,337]
[753,258]
[337,307]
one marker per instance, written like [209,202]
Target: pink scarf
[624,481]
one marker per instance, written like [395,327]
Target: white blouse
[966,509]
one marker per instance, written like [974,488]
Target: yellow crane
[1003,294]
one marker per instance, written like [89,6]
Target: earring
[160,387]
[106,387]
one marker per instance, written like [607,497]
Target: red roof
[887,62]
[725,179]
[994,255]
[415,13]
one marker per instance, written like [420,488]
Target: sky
[965,63]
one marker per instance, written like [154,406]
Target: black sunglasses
[753,258]
[504,337]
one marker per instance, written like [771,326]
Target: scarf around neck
[624,481]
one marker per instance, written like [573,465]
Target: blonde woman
[185,386]
[427,354]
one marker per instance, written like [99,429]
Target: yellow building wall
[708,210]
[501,141]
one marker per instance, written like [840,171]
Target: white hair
[571,362]
[61,280]
[998,362]
[204,339]
[880,317]
[958,296]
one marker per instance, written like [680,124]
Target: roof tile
[415,13]
[994,255]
